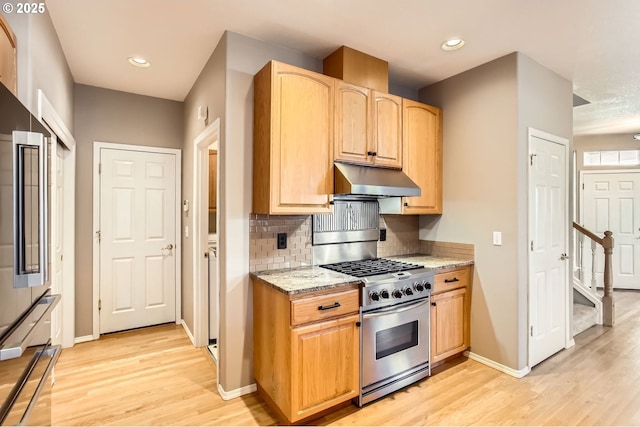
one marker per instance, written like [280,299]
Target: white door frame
[97,146]
[209,136]
[569,342]
[48,114]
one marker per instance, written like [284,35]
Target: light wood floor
[154,376]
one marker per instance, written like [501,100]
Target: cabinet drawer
[451,280]
[321,307]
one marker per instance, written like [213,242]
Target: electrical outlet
[383,234]
[282,240]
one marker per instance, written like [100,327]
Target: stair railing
[608,306]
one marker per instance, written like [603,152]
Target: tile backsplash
[402,238]
[402,235]
[447,249]
[263,249]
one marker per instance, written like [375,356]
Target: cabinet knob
[372,153]
[433,304]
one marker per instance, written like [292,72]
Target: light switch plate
[497,238]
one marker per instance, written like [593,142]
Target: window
[612,158]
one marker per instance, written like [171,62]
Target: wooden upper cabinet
[387,136]
[422,135]
[293,140]
[368,126]
[213,180]
[353,123]
[8,70]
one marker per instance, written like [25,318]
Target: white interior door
[548,218]
[137,239]
[611,201]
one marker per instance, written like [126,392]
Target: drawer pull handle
[329,307]
[455,279]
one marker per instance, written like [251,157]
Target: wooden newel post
[608,306]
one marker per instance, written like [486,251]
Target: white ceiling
[590,42]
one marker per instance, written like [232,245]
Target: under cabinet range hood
[373,182]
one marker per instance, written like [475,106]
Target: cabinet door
[353,121]
[213,179]
[422,137]
[387,135]
[325,360]
[293,141]
[448,320]
[8,75]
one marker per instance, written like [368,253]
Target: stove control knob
[397,293]
[426,284]
[419,287]
[374,296]
[384,294]
[408,291]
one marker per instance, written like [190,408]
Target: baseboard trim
[495,365]
[232,394]
[85,338]
[189,334]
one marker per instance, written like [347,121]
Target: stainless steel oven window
[30,210]
[393,340]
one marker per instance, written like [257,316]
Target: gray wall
[226,86]
[41,64]
[109,116]
[486,112]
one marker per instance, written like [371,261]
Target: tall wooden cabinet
[8,70]
[422,138]
[306,349]
[450,313]
[293,140]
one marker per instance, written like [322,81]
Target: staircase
[585,314]
[590,305]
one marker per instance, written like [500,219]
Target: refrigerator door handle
[14,344]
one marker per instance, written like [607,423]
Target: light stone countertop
[433,262]
[293,281]
[298,280]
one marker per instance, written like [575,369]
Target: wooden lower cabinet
[303,369]
[450,314]
[324,365]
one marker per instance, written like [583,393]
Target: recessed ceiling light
[636,136]
[452,44]
[139,62]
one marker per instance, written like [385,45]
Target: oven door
[394,340]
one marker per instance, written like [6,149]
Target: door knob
[168,247]
[564,257]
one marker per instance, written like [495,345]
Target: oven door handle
[395,309]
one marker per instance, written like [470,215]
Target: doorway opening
[206,292]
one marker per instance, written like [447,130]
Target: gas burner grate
[370,267]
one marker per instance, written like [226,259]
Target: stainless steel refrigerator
[27,356]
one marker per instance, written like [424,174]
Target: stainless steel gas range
[395,299]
